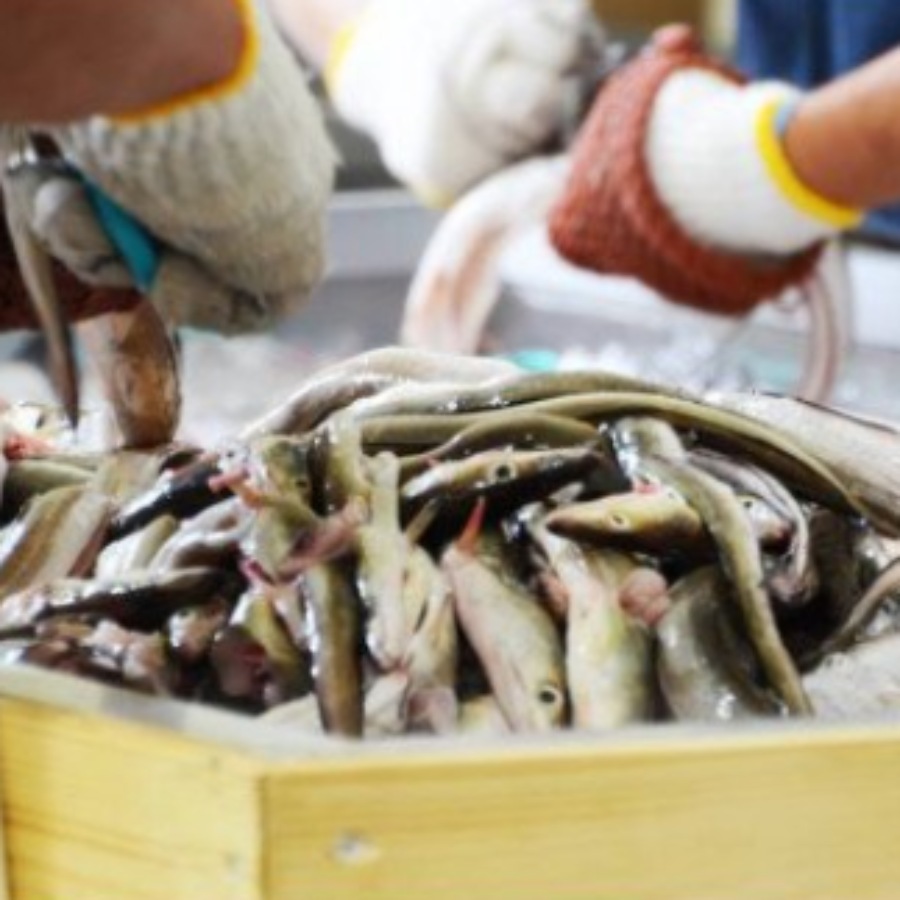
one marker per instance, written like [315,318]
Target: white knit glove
[716,157]
[232,182]
[454,90]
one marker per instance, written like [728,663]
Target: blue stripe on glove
[139,250]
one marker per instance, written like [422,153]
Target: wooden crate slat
[785,818]
[96,808]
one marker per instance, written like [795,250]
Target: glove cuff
[716,158]
[612,219]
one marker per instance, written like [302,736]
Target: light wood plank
[197,721]
[784,816]
[98,809]
[103,807]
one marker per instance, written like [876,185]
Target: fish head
[281,464]
[549,703]
[774,531]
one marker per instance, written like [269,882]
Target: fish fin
[469,537]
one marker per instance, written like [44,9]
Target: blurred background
[548,310]
[378,233]
[628,21]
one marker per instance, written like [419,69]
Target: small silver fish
[706,669]
[863,681]
[526,668]
[608,661]
[383,556]
[432,654]
[298,715]
[385,705]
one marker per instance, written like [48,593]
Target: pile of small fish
[417,543]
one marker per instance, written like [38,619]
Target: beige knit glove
[231,181]
[455,90]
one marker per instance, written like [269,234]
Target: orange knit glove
[612,219]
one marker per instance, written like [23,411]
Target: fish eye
[503,472]
[618,521]
[550,695]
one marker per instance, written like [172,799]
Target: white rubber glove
[454,90]
[716,157]
[232,181]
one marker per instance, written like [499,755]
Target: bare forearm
[312,25]
[65,61]
[844,140]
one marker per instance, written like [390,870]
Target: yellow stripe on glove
[782,173]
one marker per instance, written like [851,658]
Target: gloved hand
[454,90]
[231,182]
[680,178]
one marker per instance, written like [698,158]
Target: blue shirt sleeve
[810,42]
[784,40]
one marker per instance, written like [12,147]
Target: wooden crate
[109,795]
